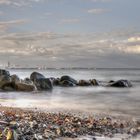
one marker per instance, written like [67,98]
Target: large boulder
[36,76]
[9,86]
[15,78]
[21,86]
[120,83]
[17,86]
[4,79]
[43,84]
[84,83]
[56,81]
[67,81]
[4,72]
[94,82]
[28,81]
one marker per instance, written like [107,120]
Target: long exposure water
[108,100]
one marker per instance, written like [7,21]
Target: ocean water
[100,100]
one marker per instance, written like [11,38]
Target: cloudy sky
[70,33]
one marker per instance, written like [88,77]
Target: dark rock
[43,84]
[4,79]
[27,81]
[15,78]
[111,81]
[35,76]
[9,86]
[120,83]
[56,81]
[67,81]
[94,82]
[84,83]
[24,87]
[4,72]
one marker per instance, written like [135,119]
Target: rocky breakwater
[14,83]
[38,81]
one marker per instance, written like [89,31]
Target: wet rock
[120,83]
[24,87]
[28,81]
[15,78]
[67,81]
[18,86]
[4,72]
[36,76]
[94,82]
[43,84]
[9,86]
[4,79]
[56,81]
[84,83]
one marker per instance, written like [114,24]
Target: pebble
[18,124]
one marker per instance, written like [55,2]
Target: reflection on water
[125,101]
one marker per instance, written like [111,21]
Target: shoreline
[34,123]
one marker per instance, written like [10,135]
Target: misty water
[100,100]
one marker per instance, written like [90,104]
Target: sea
[91,99]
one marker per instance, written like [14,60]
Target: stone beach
[33,124]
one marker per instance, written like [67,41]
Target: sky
[70,33]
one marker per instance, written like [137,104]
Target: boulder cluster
[38,81]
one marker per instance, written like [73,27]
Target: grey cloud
[97,11]
[56,49]
[18,3]
[101,0]
[69,21]
[4,25]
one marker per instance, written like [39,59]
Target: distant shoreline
[75,68]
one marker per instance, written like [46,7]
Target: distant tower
[8,64]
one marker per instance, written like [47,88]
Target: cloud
[18,3]
[4,25]
[70,49]
[69,21]
[134,39]
[12,22]
[97,11]
[95,1]
[101,0]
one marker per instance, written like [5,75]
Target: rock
[67,81]
[84,83]
[15,78]
[17,86]
[4,72]
[9,86]
[49,134]
[120,83]
[20,86]
[56,81]
[94,82]
[35,76]
[4,79]
[43,84]
[28,81]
